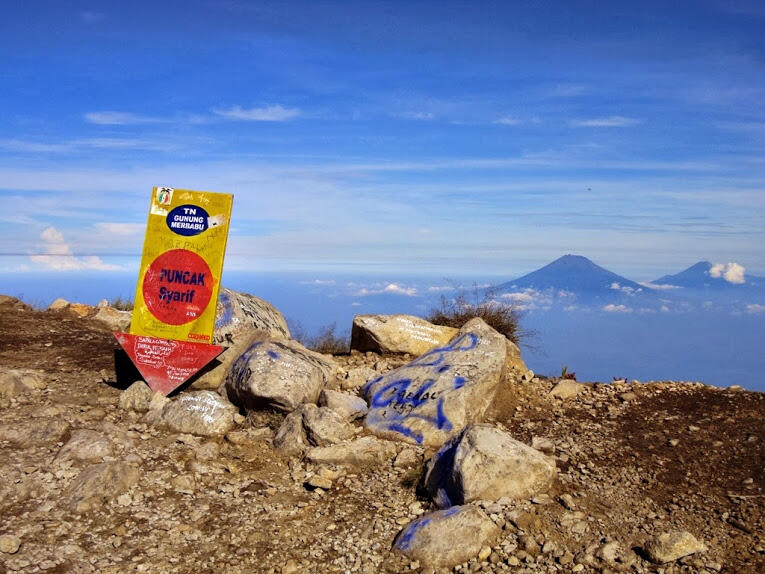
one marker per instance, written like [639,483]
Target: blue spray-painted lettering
[273,354]
[407,432]
[228,312]
[405,539]
[464,342]
[459,382]
[239,368]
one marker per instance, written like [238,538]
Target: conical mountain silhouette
[571,273]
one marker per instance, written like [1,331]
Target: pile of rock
[432,405]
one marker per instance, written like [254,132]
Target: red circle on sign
[177,287]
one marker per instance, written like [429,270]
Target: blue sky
[447,138]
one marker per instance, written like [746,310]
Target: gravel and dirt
[634,460]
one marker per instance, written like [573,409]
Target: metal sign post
[178,282]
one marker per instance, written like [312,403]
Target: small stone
[184,483]
[577,568]
[407,458]
[513,561]
[567,501]
[627,397]
[484,553]
[673,442]
[567,390]
[544,444]
[319,482]
[9,544]
[207,451]
[670,546]
[609,552]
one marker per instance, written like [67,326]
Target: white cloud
[611,308]
[441,288]
[389,288]
[275,113]
[625,289]
[69,146]
[731,272]
[664,309]
[755,308]
[519,297]
[508,121]
[355,304]
[121,229]
[530,299]
[416,115]
[111,118]
[605,122]
[58,256]
[650,285]
[400,290]
[318,282]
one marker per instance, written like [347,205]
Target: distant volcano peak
[572,273]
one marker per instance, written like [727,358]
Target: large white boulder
[446,537]
[279,374]
[397,334]
[485,463]
[435,396]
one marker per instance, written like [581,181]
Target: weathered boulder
[238,313]
[240,320]
[309,425]
[99,483]
[136,397]
[397,334]
[361,452]
[34,432]
[203,413]
[213,375]
[513,359]
[566,389]
[446,537]
[278,374]
[113,318]
[85,444]
[670,546]
[12,386]
[435,396]
[356,378]
[58,304]
[485,463]
[15,382]
[350,407]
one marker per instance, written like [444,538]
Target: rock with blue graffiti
[486,463]
[432,398]
[239,313]
[238,319]
[446,537]
[397,334]
[277,373]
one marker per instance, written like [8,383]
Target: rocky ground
[90,485]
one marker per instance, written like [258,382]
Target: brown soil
[249,510]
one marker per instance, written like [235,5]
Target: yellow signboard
[177,292]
